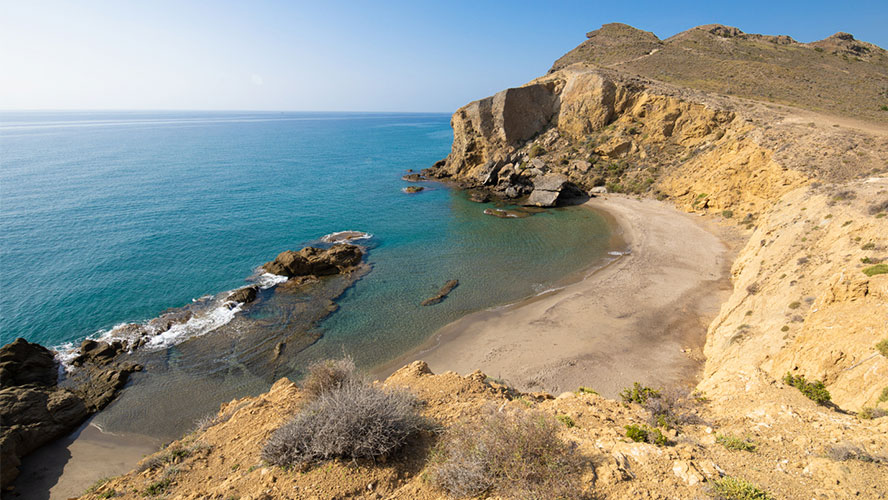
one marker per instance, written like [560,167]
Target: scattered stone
[597,190]
[687,472]
[414,178]
[442,294]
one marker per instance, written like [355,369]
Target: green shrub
[511,453]
[536,150]
[884,107]
[815,391]
[645,434]
[587,390]
[868,246]
[882,347]
[354,421]
[638,394]
[877,269]
[794,305]
[566,420]
[784,328]
[884,396]
[734,488]
[158,487]
[735,443]
[869,413]
[727,214]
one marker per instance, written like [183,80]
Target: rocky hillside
[837,75]
[808,316]
[791,449]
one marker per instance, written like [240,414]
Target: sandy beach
[640,318]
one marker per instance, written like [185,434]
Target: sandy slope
[629,321]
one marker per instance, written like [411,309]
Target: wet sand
[643,317]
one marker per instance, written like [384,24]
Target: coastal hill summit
[838,74]
[781,148]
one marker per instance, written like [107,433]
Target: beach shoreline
[641,317]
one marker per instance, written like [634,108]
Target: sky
[418,55]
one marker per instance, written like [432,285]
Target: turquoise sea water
[108,218]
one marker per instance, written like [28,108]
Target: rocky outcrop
[34,410]
[315,261]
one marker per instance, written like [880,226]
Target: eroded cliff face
[795,185]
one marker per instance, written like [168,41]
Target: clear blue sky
[328,55]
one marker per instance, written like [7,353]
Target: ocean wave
[196,326]
[268,280]
[341,236]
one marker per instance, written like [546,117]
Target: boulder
[549,189]
[315,261]
[244,295]
[413,189]
[598,190]
[22,362]
[97,353]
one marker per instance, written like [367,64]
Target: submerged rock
[315,261]
[479,196]
[507,214]
[442,293]
[413,189]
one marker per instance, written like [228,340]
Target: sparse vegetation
[170,455]
[795,305]
[645,434]
[566,420]
[868,246]
[882,347]
[815,391]
[877,269]
[512,453]
[869,413]
[638,394]
[353,421]
[328,375]
[587,390]
[727,214]
[884,396]
[735,443]
[734,488]
[844,451]
[752,289]
[784,328]
[536,150]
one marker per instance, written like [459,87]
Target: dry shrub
[353,421]
[328,375]
[843,451]
[672,408]
[513,453]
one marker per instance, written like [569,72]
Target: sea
[108,218]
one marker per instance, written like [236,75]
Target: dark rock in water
[413,189]
[507,214]
[34,410]
[246,294]
[549,189]
[315,261]
[22,362]
[414,178]
[442,294]
[479,196]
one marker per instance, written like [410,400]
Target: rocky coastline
[42,400]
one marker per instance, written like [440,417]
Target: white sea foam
[268,280]
[197,325]
[338,236]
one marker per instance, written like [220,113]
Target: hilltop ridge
[838,74]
